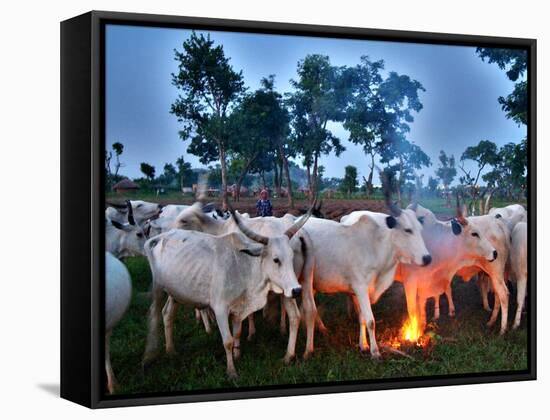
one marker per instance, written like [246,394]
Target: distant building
[125,186]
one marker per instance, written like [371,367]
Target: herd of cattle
[225,264]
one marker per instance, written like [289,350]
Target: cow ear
[457,228]
[253,250]
[421,220]
[391,222]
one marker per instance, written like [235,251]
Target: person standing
[263,205]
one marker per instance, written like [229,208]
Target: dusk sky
[460,102]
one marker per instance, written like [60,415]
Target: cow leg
[151,345]
[168,315]
[484,287]
[237,330]
[522,286]
[310,314]
[363,343]
[111,380]
[350,307]
[494,312]
[502,291]
[205,320]
[449,294]
[291,307]
[197,315]
[367,317]
[437,300]
[282,322]
[223,325]
[251,327]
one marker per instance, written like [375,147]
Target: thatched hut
[125,186]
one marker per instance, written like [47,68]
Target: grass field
[461,345]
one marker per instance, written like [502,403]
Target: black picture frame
[82,205]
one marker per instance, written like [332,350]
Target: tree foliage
[446,171]
[147,170]
[349,183]
[210,89]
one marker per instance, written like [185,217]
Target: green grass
[463,345]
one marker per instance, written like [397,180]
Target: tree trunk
[399,182]
[276,180]
[242,175]
[288,182]
[369,179]
[315,181]
[308,169]
[224,177]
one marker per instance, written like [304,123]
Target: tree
[432,185]
[210,90]
[118,149]
[185,173]
[322,92]
[169,175]
[508,173]
[366,113]
[349,184]
[446,171]
[514,61]
[485,153]
[259,127]
[147,170]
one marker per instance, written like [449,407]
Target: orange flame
[411,331]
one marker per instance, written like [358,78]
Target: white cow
[452,245]
[359,257]
[497,232]
[231,274]
[518,266]
[170,212]
[118,293]
[195,219]
[138,210]
[510,212]
[125,239]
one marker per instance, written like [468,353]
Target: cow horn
[249,233]
[117,206]
[296,226]
[131,219]
[460,211]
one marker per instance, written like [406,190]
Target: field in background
[462,344]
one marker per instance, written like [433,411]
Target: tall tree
[483,154]
[514,61]
[321,94]
[185,173]
[118,149]
[259,126]
[210,90]
[446,171]
[365,115]
[147,170]
[349,184]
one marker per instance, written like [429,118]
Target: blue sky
[460,102]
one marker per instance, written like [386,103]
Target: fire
[411,331]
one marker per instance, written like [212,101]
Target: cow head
[424,216]
[474,242]
[407,236]
[277,256]
[130,239]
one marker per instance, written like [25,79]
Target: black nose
[495,254]
[426,259]
[297,291]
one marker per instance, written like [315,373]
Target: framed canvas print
[255,209]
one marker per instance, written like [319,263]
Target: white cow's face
[131,239]
[278,268]
[475,243]
[407,238]
[144,210]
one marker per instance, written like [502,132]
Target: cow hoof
[250,337]
[515,326]
[452,314]
[376,356]
[491,322]
[503,331]
[288,359]
[307,355]
[232,374]
[487,309]
[236,353]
